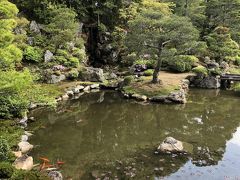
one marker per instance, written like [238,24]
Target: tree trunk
[158,67]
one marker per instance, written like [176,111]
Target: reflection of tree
[115,128]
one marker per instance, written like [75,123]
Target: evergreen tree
[9,53]
[159,31]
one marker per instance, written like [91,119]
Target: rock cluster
[77,91]
[207,82]
[23,161]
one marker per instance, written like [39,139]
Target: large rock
[56,79]
[209,82]
[48,56]
[171,145]
[178,97]
[34,27]
[24,163]
[25,147]
[92,74]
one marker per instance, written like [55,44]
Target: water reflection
[226,168]
[103,127]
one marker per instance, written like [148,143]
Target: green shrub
[73,74]
[128,80]
[60,59]
[62,52]
[149,72]
[149,63]
[72,62]
[9,57]
[79,53]
[178,66]
[237,61]
[236,87]
[6,170]
[182,63]
[201,70]
[34,54]
[19,90]
[4,149]
[10,132]
[216,71]
[129,59]
[234,70]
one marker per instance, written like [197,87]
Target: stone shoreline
[179,96]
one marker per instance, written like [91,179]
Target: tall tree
[224,13]
[159,31]
[194,9]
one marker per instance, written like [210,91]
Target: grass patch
[143,86]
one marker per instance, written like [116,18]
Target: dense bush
[4,149]
[33,54]
[182,63]
[19,90]
[6,170]
[9,53]
[148,72]
[221,46]
[149,63]
[200,70]
[73,74]
[127,80]
[62,52]
[80,54]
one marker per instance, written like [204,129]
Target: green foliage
[10,132]
[148,72]
[73,74]
[33,54]
[148,62]
[183,63]
[9,53]
[13,85]
[28,175]
[221,46]
[80,54]
[129,59]
[215,71]
[200,70]
[127,80]
[62,52]
[19,90]
[62,30]
[234,70]
[6,170]
[194,9]
[236,87]
[7,9]
[4,149]
[224,13]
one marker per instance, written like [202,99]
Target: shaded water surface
[103,135]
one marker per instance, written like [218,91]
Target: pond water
[103,135]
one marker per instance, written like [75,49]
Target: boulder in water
[171,145]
